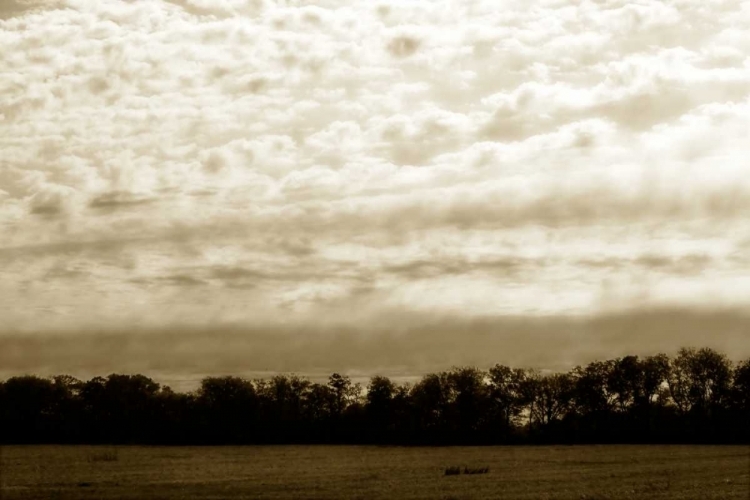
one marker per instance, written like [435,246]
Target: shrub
[104,456]
[479,470]
[452,471]
[455,470]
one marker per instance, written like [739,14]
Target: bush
[452,471]
[479,470]
[104,456]
[456,470]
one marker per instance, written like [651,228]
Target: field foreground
[329,472]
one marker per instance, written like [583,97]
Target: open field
[554,472]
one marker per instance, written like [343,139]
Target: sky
[193,187]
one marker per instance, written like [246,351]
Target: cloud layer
[262,163]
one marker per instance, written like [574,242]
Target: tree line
[697,396]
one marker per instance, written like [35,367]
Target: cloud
[241,161]
[180,280]
[13,8]
[118,199]
[51,200]
[403,45]
[421,269]
[688,264]
[63,272]
[398,344]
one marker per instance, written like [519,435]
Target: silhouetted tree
[625,382]
[699,379]
[741,387]
[318,403]
[468,402]
[430,398]
[506,396]
[592,387]
[654,380]
[30,409]
[228,407]
[698,396]
[597,389]
[177,420]
[552,396]
[344,393]
[67,408]
[380,408]
[283,401]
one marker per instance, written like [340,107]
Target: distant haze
[237,186]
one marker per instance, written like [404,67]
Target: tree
[741,387]
[380,393]
[228,407]
[344,393]
[699,380]
[175,418]
[283,398]
[698,396]
[30,409]
[380,407]
[592,391]
[468,398]
[70,386]
[318,404]
[66,405]
[505,392]
[655,375]
[625,382]
[430,399]
[527,391]
[551,396]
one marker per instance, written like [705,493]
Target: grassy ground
[324,472]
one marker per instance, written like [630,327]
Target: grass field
[328,472]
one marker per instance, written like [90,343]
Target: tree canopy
[696,396]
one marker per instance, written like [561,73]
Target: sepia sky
[235,186]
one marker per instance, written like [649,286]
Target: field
[328,472]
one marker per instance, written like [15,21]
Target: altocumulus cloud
[327,179]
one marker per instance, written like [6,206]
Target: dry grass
[328,472]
